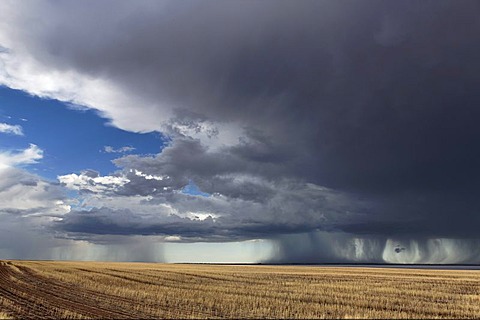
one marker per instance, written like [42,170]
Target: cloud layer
[292,116]
[11,129]
[20,157]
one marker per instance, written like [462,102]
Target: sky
[240,131]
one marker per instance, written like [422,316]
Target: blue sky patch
[192,189]
[71,140]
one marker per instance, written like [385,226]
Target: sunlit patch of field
[141,290]
[4,316]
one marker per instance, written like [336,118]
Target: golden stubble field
[38,289]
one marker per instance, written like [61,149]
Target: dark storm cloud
[239,208]
[110,222]
[381,95]
[376,99]
[321,247]
[188,158]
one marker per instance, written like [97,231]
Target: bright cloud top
[11,129]
[23,157]
[110,149]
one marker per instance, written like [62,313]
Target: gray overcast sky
[348,129]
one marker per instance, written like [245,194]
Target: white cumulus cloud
[83,182]
[110,149]
[26,156]
[11,129]
[25,194]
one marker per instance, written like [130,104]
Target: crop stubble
[41,289]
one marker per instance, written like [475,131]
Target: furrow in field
[156,306]
[43,296]
[402,303]
[340,297]
[185,291]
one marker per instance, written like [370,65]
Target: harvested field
[34,289]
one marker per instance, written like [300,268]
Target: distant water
[354,265]
[403,266]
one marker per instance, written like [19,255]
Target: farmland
[40,289]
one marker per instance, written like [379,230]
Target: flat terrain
[34,289]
